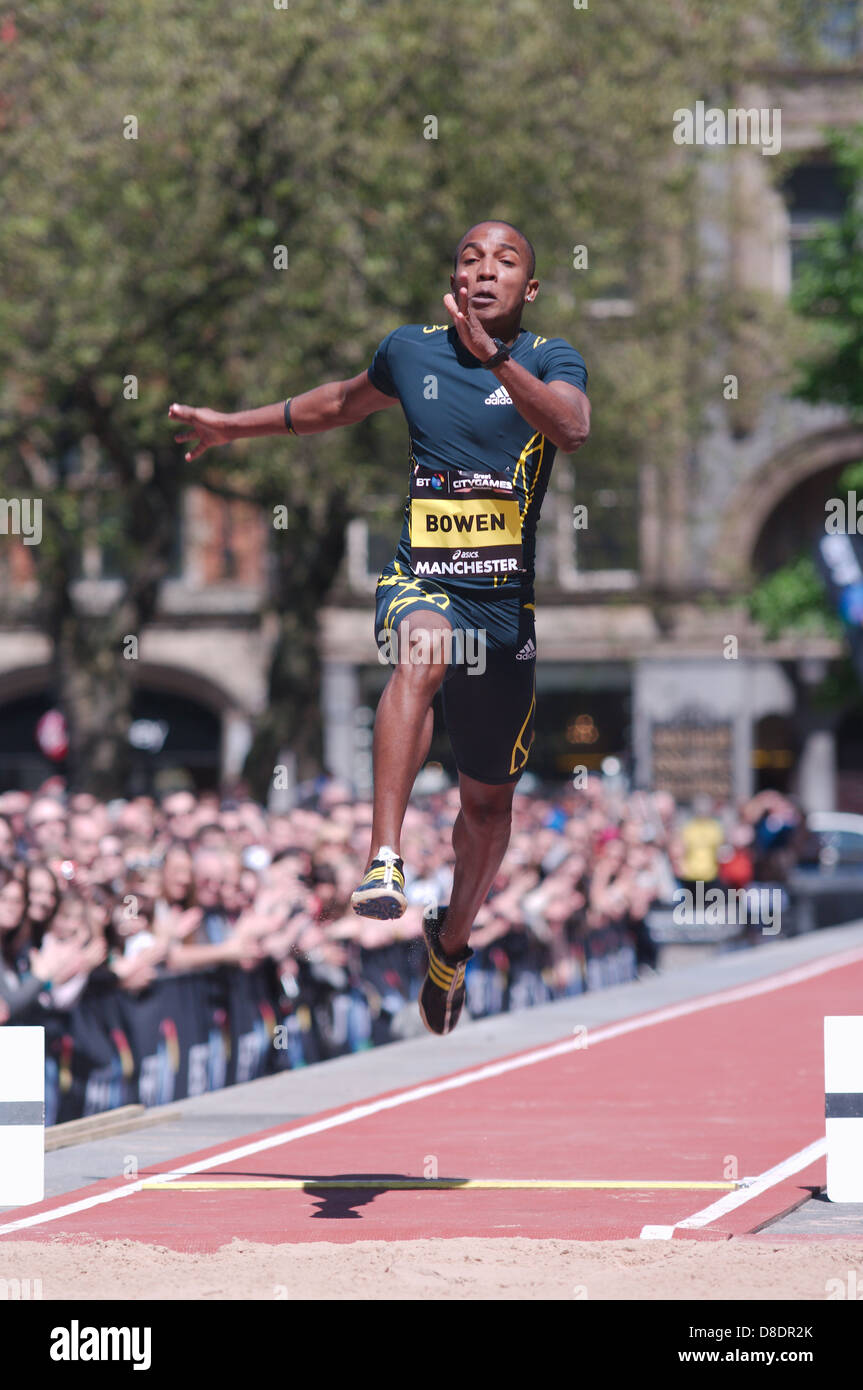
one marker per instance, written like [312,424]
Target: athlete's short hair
[500,222]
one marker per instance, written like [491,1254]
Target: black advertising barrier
[387,974]
[183,1035]
[186,1034]
[172,1038]
[609,956]
[88,1064]
[252,1018]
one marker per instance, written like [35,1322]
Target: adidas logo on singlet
[499,397]
[528,651]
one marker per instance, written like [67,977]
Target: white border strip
[786,1169]
[543,1054]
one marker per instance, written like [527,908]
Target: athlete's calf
[404,724]
[480,837]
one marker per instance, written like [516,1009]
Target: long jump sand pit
[716,1270]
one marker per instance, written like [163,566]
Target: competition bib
[463,524]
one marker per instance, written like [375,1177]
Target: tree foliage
[305,128]
[830,291]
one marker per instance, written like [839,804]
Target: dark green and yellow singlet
[478,475]
[479,471]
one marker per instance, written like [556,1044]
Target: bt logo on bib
[435,481]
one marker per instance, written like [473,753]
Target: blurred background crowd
[127,892]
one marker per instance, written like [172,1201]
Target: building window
[595,528]
[824,35]
[371,544]
[813,195]
[839,31]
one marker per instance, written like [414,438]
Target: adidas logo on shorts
[528,651]
[499,397]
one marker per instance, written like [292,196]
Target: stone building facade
[634,664]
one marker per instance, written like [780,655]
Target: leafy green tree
[829,296]
[793,599]
[226,205]
[829,292]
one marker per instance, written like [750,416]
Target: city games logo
[733,127]
[442,646]
[485,481]
[714,907]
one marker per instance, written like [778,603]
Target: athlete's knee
[420,657]
[487,808]
[419,677]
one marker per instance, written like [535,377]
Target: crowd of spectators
[141,888]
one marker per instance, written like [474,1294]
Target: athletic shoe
[442,994]
[382,891]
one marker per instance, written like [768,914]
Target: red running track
[730,1084]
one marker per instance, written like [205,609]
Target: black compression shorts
[489,691]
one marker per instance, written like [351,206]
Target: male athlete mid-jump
[488,405]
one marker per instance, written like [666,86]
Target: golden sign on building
[692,757]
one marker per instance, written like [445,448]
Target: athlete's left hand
[468,326]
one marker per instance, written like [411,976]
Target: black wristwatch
[503,352]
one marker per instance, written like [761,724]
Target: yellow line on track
[420,1184]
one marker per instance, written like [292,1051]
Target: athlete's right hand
[208,427]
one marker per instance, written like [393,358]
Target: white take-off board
[843,1084]
[22,1116]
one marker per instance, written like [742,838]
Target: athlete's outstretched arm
[323,408]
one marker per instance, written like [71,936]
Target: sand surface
[757,1268]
